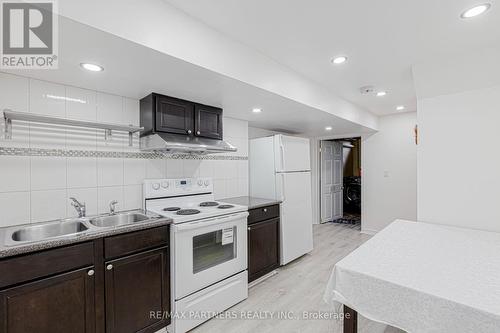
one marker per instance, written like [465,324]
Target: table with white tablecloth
[422,277]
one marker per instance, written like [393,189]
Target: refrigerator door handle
[282,187]
[282,153]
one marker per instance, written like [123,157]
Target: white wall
[389,184]
[37,188]
[459,160]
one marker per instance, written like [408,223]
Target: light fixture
[91,67]
[339,60]
[400,107]
[257,110]
[475,11]
[328,128]
[381,93]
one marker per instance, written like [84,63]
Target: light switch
[386,174]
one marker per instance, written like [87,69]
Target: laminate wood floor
[297,288]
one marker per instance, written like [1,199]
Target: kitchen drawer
[263,213]
[132,242]
[37,265]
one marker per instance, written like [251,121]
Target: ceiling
[382,39]
[133,70]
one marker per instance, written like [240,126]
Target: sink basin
[118,219]
[48,230]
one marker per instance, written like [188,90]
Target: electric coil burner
[209,204]
[188,212]
[171,209]
[225,206]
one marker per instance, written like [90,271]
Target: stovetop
[191,211]
[185,200]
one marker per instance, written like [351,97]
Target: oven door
[208,251]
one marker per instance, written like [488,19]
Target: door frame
[316,172]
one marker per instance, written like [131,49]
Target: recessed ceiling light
[381,93]
[400,107]
[328,128]
[475,11]
[91,67]
[339,60]
[257,110]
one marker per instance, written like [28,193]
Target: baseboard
[262,278]
[368,232]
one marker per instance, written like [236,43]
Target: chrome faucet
[80,208]
[112,208]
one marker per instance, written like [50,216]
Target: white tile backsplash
[109,108]
[156,169]
[48,173]
[175,168]
[48,205]
[36,188]
[107,194]
[14,173]
[132,197]
[47,98]
[87,196]
[134,171]
[14,92]
[15,208]
[81,172]
[81,104]
[109,172]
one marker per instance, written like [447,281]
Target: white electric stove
[208,248]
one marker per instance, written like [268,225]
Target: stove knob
[165,184]
[200,182]
[155,186]
[207,182]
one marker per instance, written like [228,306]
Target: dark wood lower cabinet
[62,303]
[80,289]
[137,292]
[263,248]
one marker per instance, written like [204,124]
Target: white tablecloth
[423,277]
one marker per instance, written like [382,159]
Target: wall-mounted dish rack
[10,115]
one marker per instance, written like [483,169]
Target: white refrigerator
[280,169]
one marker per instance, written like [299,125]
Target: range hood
[174,143]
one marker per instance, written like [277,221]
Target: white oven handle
[209,222]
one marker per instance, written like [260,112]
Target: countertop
[252,202]
[90,234]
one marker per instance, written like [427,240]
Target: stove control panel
[156,188]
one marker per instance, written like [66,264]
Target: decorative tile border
[8,151]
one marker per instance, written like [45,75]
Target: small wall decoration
[416,134]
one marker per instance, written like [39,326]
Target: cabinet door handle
[90,272]
[189,131]
[198,132]
[109,267]
[249,228]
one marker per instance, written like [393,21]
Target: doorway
[340,181]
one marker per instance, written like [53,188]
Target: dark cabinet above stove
[208,121]
[166,114]
[173,115]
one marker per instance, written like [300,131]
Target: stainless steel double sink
[74,226]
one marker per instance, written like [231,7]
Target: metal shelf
[10,115]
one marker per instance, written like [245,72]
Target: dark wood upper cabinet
[174,115]
[136,287]
[263,248]
[208,122]
[61,303]
[166,114]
